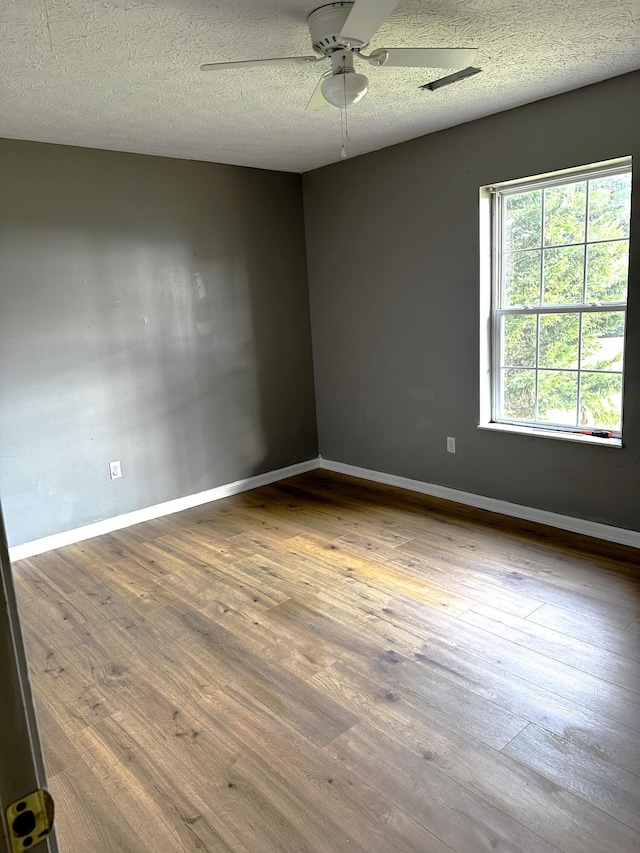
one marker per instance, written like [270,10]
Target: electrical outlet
[451,444]
[115,470]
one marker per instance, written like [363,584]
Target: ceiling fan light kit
[343,87]
[345,90]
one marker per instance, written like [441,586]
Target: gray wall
[392,244]
[153,311]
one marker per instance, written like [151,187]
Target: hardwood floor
[329,665]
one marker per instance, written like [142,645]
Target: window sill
[556,434]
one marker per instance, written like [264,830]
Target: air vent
[451,78]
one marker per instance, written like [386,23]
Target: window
[559,275]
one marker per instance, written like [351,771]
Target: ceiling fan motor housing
[325,27]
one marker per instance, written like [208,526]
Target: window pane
[603,340]
[565,214]
[607,271]
[559,335]
[523,220]
[609,207]
[557,397]
[520,341]
[562,266]
[601,400]
[519,394]
[563,275]
[522,278]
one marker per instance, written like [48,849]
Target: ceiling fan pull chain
[343,150]
[346,124]
[344,120]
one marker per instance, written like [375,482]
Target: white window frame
[491,238]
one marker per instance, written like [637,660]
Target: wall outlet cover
[451,444]
[115,470]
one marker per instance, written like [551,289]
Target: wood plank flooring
[330,665]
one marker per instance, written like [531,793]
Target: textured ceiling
[123,74]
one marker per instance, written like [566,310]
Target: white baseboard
[620,535]
[98,528]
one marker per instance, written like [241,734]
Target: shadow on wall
[161,320]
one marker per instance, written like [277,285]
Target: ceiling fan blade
[317,101]
[366,17]
[425,57]
[245,63]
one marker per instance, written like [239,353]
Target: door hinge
[30,820]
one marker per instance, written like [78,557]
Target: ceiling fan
[339,31]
